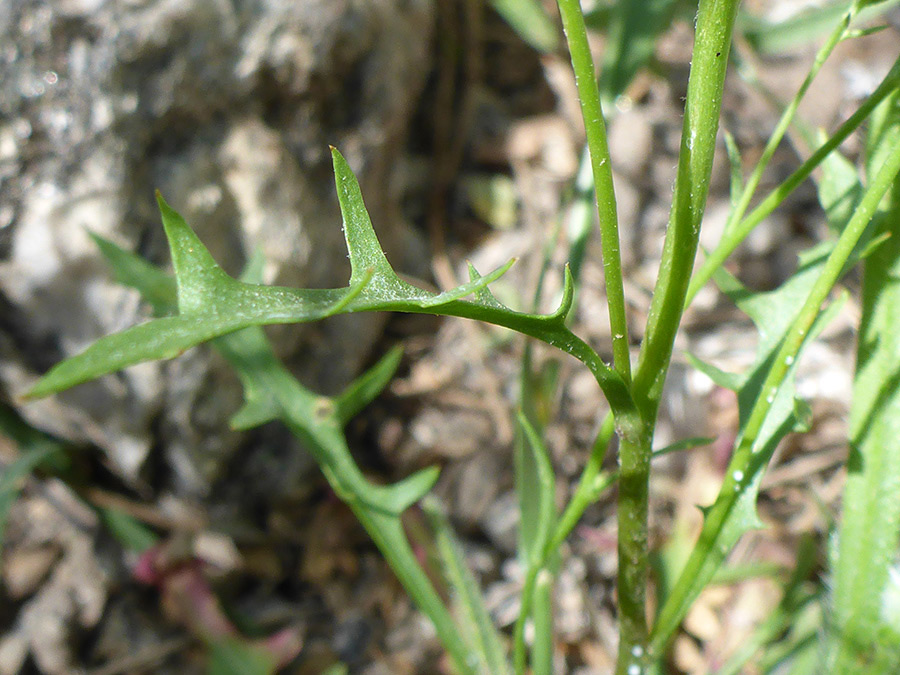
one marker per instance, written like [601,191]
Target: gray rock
[227,108]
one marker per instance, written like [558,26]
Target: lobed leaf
[839,190]
[315,420]
[364,389]
[168,337]
[155,286]
[271,392]
[212,304]
[772,312]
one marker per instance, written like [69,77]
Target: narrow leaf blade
[365,388]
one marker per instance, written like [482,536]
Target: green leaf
[635,27]
[529,19]
[773,314]
[212,304]
[536,486]
[737,168]
[883,136]
[234,656]
[259,407]
[131,533]
[269,388]
[775,37]
[685,444]
[477,625]
[484,294]
[542,651]
[314,419]
[537,523]
[170,336]
[866,32]
[754,449]
[724,379]
[864,631]
[160,290]
[802,415]
[36,448]
[318,422]
[155,286]
[839,190]
[365,388]
[743,519]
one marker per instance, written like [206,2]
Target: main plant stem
[633,551]
[715,22]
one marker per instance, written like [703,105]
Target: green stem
[633,552]
[527,599]
[745,462]
[734,235]
[542,651]
[595,131]
[615,389]
[715,23]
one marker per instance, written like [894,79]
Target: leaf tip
[394,356]
[164,208]
[38,390]
[568,294]
[473,273]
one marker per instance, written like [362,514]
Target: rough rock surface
[228,109]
